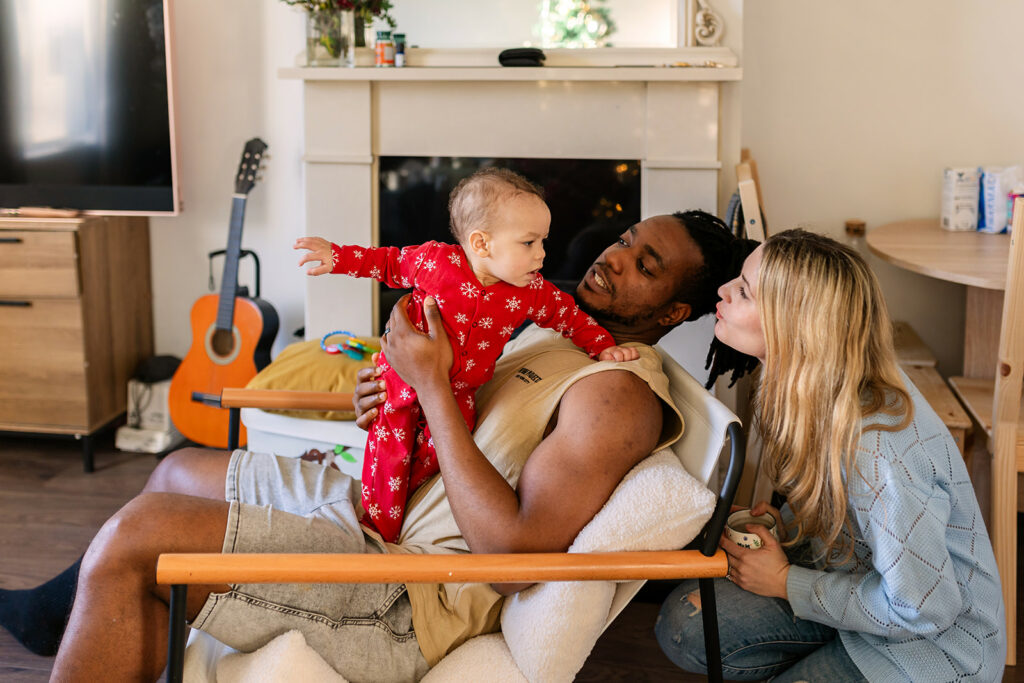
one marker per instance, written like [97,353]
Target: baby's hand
[619,353]
[319,250]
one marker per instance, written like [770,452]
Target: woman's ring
[386,330]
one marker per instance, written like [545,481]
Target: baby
[485,288]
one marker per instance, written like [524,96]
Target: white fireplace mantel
[642,104]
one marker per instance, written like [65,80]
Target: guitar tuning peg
[266,155]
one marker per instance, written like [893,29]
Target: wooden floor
[50,509]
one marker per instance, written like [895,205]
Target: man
[562,429]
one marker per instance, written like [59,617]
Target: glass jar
[330,38]
[385,49]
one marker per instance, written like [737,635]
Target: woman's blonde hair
[829,361]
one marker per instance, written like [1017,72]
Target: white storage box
[293,437]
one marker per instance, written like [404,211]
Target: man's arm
[606,423]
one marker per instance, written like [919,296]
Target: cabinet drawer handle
[11,240]
[22,304]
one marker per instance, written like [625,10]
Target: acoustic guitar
[231,334]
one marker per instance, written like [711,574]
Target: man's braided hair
[724,254]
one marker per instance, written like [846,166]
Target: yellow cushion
[304,366]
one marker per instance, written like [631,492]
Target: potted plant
[334,28]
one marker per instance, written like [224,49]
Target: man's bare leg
[191,471]
[118,626]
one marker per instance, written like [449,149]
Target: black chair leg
[234,423]
[88,464]
[176,635]
[709,612]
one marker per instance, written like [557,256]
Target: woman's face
[738,324]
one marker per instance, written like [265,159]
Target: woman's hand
[762,507]
[319,250]
[762,571]
[369,393]
[419,358]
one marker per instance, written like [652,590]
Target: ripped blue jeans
[760,638]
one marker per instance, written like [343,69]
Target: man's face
[633,282]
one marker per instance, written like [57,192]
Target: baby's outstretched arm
[619,353]
[319,250]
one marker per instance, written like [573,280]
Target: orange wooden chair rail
[206,568]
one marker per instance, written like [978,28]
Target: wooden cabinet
[75,320]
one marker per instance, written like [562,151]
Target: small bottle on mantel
[855,229]
[399,49]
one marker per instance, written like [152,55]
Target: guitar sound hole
[223,342]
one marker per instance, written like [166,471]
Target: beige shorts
[287,505]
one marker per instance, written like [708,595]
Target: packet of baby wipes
[995,208]
[960,191]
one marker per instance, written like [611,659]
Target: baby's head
[500,219]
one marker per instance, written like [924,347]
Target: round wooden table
[975,259]
[922,246]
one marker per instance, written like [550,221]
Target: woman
[888,572]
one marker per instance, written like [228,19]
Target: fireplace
[585,105]
[592,201]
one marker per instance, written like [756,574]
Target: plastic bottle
[399,49]
[385,49]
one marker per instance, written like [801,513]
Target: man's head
[662,271]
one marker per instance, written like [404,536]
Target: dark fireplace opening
[592,201]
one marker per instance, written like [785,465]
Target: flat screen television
[86,106]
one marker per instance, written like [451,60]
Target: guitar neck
[229,279]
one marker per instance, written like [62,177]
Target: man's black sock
[37,616]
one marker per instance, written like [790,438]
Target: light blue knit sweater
[921,598]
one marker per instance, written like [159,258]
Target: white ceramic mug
[736,528]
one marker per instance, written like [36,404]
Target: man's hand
[619,353]
[762,571]
[319,250]
[419,358]
[369,393]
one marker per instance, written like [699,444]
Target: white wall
[853,109]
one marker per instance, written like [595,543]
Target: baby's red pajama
[479,320]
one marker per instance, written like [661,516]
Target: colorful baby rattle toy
[351,347]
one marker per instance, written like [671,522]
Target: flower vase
[330,38]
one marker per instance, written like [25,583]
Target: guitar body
[216,360]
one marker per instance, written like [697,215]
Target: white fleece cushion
[285,658]
[550,628]
[484,658]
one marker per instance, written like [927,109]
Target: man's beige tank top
[514,409]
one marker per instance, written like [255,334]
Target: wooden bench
[977,395]
[918,361]
[910,350]
[942,400]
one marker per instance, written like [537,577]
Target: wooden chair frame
[703,559]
